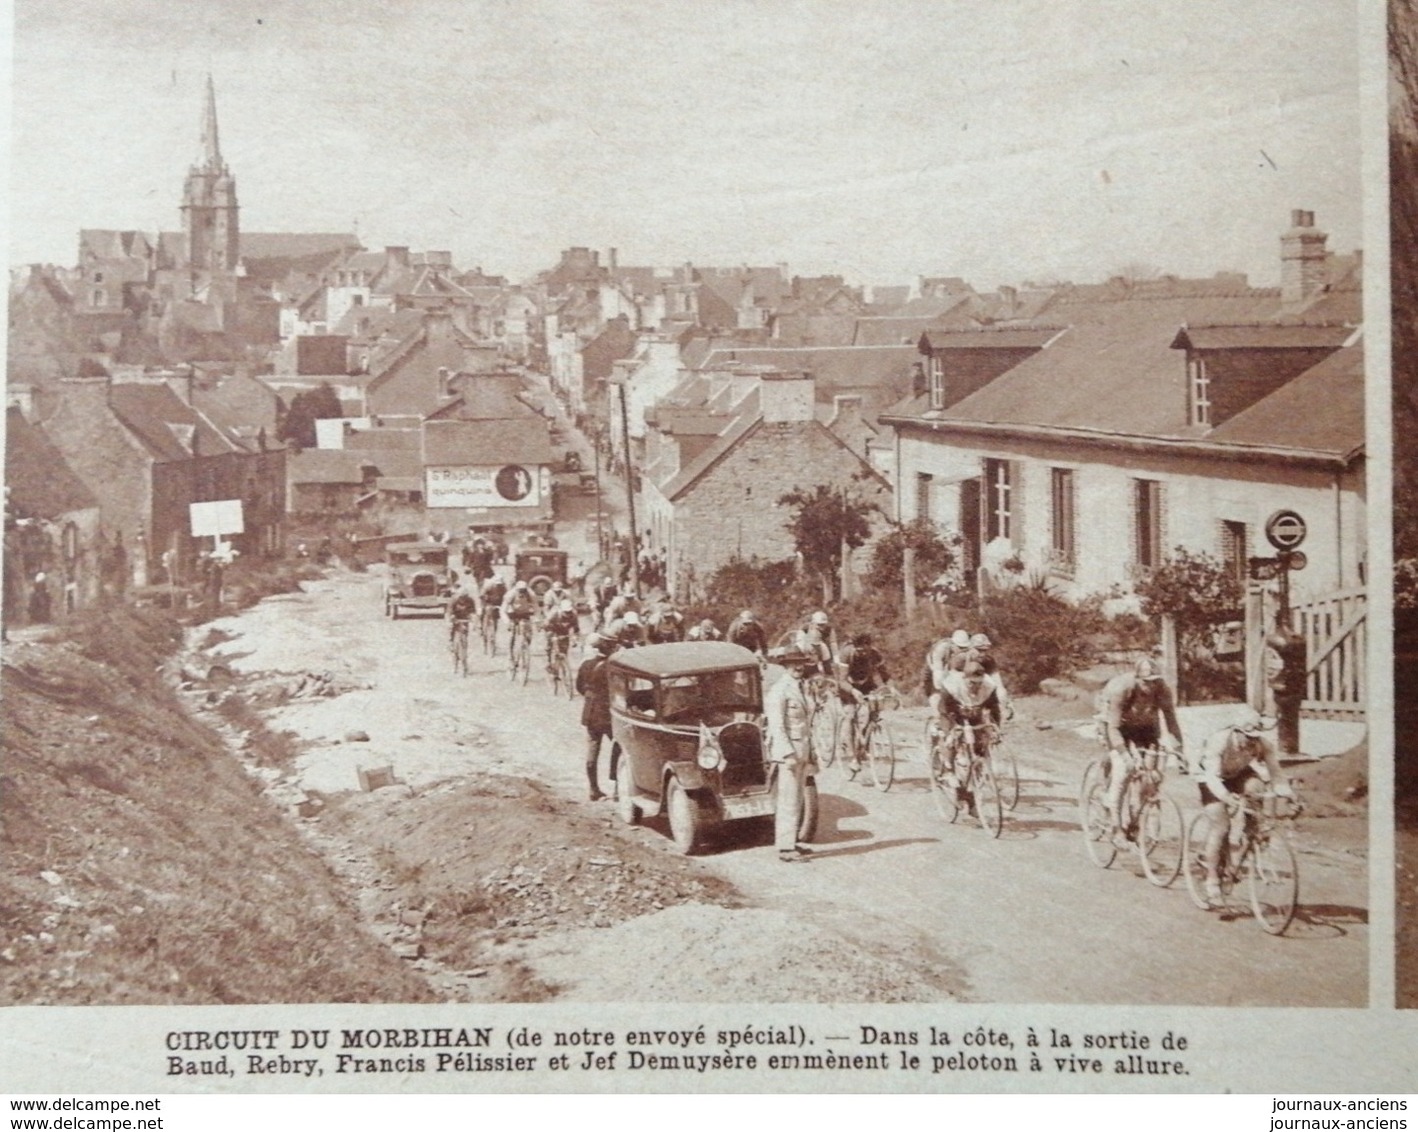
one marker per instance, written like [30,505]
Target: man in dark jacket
[596,704]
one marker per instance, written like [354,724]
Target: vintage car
[687,740]
[418,578]
[539,567]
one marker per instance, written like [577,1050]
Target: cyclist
[865,671]
[968,696]
[706,630]
[460,612]
[1236,762]
[938,663]
[490,597]
[979,649]
[624,602]
[665,623]
[561,625]
[519,607]
[627,631]
[746,632]
[1133,706]
[555,595]
[815,639]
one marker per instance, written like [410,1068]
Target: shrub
[1039,635]
[937,553]
[1199,592]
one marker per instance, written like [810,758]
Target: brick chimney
[612,258]
[1303,271]
[395,257]
[786,397]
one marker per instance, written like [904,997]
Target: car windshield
[433,558]
[701,692]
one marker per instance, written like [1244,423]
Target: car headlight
[711,755]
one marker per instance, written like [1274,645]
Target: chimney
[396,257]
[1303,268]
[786,397]
[612,258]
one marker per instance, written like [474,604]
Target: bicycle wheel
[526,655]
[1194,860]
[1097,834]
[943,790]
[564,667]
[881,754]
[460,652]
[989,806]
[1006,772]
[1091,774]
[1273,878]
[1160,840]
[822,733]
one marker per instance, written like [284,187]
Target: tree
[935,555]
[825,520]
[298,424]
[1199,592]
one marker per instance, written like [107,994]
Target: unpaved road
[1025,918]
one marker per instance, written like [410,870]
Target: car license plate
[751,806]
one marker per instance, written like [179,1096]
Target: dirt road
[1025,918]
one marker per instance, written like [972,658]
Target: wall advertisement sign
[505,485]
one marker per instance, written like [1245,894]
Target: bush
[773,590]
[937,553]
[1040,636]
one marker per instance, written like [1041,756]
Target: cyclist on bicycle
[627,631]
[561,625]
[815,639]
[665,623]
[624,602]
[706,630]
[746,632]
[460,612]
[490,598]
[1133,706]
[865,671]
[968,696]
[979,649]
[1235,763]
[938,663]
[552,599]
[520,605]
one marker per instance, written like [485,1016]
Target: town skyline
[1186,153]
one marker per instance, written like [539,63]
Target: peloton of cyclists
[968,696]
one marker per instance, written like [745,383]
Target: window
[96,299]
[1199,390]
[1234,549]
[1147,525]
[999,500]
[936,370]
[98,276]
[924,484]
[1062,517]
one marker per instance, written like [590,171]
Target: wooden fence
[1335,629]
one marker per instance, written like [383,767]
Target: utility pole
[600,534]
[629,488]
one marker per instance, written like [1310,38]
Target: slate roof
[685,478]
[40,481]
[327,465]
[1322,410]
[833,366]
[991,338]
[522,441]
[296,245]
[1261,336]
[162,421]
[1113,369]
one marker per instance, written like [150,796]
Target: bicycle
[976,789]
[870,740]
[824,719]
[487,627]
[519,648]
[458,645]
[1147,820]
[559,665]
[1263,858]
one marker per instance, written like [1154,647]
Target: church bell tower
[209,208]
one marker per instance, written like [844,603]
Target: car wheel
[807,824]
[625,806]
[687,819]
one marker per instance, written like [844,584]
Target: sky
[1000,141]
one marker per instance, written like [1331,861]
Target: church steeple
[209,208]
[211,144]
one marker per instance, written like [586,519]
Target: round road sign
[1285,530]
[1295,560]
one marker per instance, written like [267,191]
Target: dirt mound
[142,864]
[1338,786]
[460,870]
[702,953]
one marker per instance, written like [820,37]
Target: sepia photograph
[553,504]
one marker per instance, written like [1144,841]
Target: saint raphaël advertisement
[921,615]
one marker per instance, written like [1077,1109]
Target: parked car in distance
[687,740]
[418,578]
[539,567]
